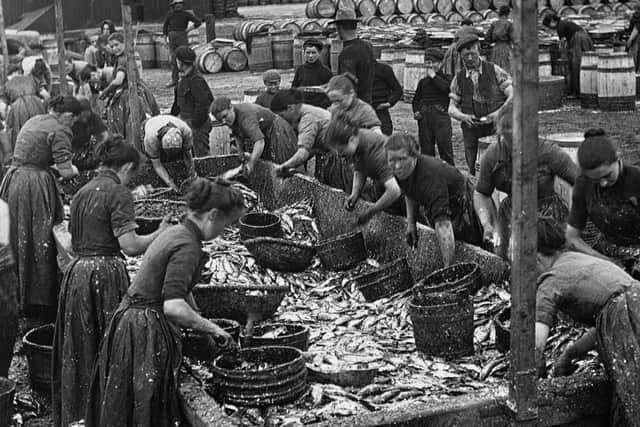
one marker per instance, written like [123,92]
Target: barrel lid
[568,139]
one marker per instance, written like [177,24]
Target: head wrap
[170,137]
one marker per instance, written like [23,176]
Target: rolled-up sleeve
[454,91]
[61,151]
[308,130]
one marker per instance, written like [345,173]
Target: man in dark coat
[175,30]
[192,100]
[386,93]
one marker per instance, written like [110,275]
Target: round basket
[296,336]
[260,224]
[151,212]
[280,254]
[387,280]
[236,302]
[196,344]
[459,277]
[342,252]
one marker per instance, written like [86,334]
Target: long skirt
[90,293]
[619,348]
[501,56]
[135,381]
[8,317]
[334,171]
[21,110]
[579,43]
[283,142]
[35,206]
[553,206]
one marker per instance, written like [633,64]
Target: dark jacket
[358,59]
[386,87]
[432,92]
[493,98]
[179,20]
[192,99]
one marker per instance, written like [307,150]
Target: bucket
[162,51]
[589,80]
[208,60]
[413,73]
[257,224]
[423,6]
[342,252]
[147,50]
[282,49]
[219,139]
[443,324]
[233,58]
[386,281]
[616,78]
[386,7]
[292,335]
[260,57]
[38,346]
[464,277]
[7,390]
[550,92]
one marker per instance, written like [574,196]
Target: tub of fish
[344,371]
[196,344]
[259,377]
[465,277]
[150,213]
[277,334]
[385,281]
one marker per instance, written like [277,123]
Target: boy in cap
[430,105]
[192,100]
[479,92]
[271,79]
[167,139]
[175,32]
[357,55]
[312,73]
[386,93]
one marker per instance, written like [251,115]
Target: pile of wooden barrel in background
[608,80]
[242,3]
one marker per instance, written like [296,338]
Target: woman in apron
[607,193]
[270,135]
[598,294]
[35,205]
[496,169]
[136,377]
[102,225]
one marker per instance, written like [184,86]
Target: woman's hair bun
[595,132]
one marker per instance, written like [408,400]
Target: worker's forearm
[485,209]
[301,156]
[454,111]
[189,165]
[162,173]
[390,195]
[410,206]
[446,241]
[258,149]
[358,183]
[583,345]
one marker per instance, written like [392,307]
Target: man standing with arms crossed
[175,30]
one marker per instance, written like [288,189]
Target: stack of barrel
[581,7]
[607,80]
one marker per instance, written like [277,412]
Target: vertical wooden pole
[4,71]
[135,114]
[64,88]
[210,22]
[524,382]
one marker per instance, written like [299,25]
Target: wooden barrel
[589,80]
[373,21]
[489,14]
[542,4]
[545,11]
[481,5]
[544,63]
[346,4]
[320,9]
[550,92]
[461,6]
[399,65]
[219,139]
[569,142]
[423,6]
[385,7]
[474,16]
[293,27]
[366,8]
[282,49]
[234,58]
[497,4]
[604,8]
[260,56]
[443,6]
[161,51]
[454,17]
[195,38]
[435,18]
[336,49]
[587,10]
[616,82]
[413,73]
[566,11]
[310,26]
[208,60]
[394,19]
[414,56]
[250,95]
[145,46]
[404,7]
[621,9]
[415,19]
[387,55]
[601,49]
[298,54]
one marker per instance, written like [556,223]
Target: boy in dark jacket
[430,105]
[386,93]
[175,30]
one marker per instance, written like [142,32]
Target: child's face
[272,86]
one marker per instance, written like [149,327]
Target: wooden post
[5,52]
[135,115]
[210,22]
[64,88]
[524,382]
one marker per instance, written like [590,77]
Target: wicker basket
[280,254]
[196,344]
[342,252]
[236,302]
[386,281]
[149,224]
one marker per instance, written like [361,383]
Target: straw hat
[345,16]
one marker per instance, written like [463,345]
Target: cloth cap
[172,139]
[466,41]
[434,54]
[271,76]
[186,55]
[220,104]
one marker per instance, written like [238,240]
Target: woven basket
[280,254]
[342,252]
[386,281]
[196,344]
[149,224]
[236,302]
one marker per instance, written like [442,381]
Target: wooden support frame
[4,70]
[523,385]
[135,114]
[64,87]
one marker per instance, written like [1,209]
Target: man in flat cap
[479,92]
[271,80]
[357,55]
[175,32]
[430,105]
[192,100]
